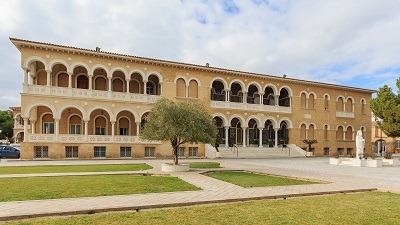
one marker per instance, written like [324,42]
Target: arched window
[100,127]
[340,103]
[180,88]
[303,132]
[349,134]
[217,91]
[150,88]
[349,105]
[269,96]
[236,94]
[339,133]
[252,95]
[311,101]
[219,123]
[75,125]
[311,132]
[118,85]
[284,98]
[303,100]
[123,125]
[82,82]
[48,124]
[100,83]
[363,106]
[62,80]
[193,89]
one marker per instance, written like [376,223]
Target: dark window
[41,151]
[99,152]
[125,151]
[71,151]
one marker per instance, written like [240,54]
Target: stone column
[260,129]
[227,95]
[226,136]
[48,77]
[26,71]
[137,128]
[145,87]
[70,80]
[57,127]
[244,100]
[244,136]
[187,90]
[86,129]
[127,85]
[276,137]
[25,129]
[109,83]
[33,126]
[112,130]
[261,98]
[277,100]
[90,81]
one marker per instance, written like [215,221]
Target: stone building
[81,103]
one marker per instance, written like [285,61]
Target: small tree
[310,142]
[179,123]
[6,124]
[386,106]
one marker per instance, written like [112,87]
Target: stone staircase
[256,152]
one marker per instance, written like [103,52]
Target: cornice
[20,43]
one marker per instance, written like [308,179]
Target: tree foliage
[310,142]
[386,106]
[179,123]
[6,124]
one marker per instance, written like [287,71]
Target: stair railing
[237,150]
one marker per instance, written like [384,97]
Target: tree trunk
[309,148]
[176,155]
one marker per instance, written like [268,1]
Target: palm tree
[310,142]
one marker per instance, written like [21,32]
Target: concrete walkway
[338,179]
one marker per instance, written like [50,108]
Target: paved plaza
[336,179]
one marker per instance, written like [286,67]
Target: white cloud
[344,42]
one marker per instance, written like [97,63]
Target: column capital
[48,71]
[90,75]
[276,129]
[70,73]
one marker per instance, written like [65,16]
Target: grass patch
[73,168]
[32,188]
[201,165]
[248,179]
[334,209]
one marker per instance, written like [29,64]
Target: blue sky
[347,42]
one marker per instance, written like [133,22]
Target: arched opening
[71,121]
[219,123]
[193,89]
[326,132]
[303,132]
[81,73]
[125,123]
[268,134]
[363,106]
[153,86]
[100,80]
[349,133]
[349,105]
[236,94]
[339,133]
[311,101]
[59,76]
[180,88]
[252,95]
[283,133]
[326,102]
[236,132]
[253,134]
[118,82]
[340,104]
[217,91]
[303,100]
[269,96]
[284,98]
[99,123]
[82,82]
[311,132]
[37,73]
[136,84]
[47,123]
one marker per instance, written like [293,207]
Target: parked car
[7,151]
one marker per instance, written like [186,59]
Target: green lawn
[73,168]
[362,208]
[248,179]
[31,188]
[201,165]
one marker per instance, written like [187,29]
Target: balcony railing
[345,114]
[72,138]
[250,107]
[91,94]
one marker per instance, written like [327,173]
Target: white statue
[360,143]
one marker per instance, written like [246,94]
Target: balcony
[89,94]
[95,139]
[250,107]
[343,114]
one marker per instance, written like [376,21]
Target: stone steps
[256,152]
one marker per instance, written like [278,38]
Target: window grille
[41,151]
[125,151]
[181,152]
[193,151]
[149,151]
[326,151]
[99,152]
[71,151]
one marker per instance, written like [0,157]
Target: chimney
[97,49]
